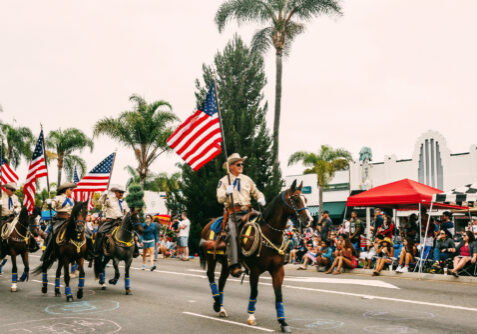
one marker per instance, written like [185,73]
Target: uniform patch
[220,183]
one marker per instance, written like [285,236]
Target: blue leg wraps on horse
[73,268]
[280,311]
[127,282]
[221,298]
[45,280]
[215,291]
[81,281]
[102,276]
[24,276]
[14,277]
[68,291]
[57,283]
[251,306]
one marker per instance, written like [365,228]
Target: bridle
[289,205]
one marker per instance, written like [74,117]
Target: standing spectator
[465,251]
[325,225]
[446,223]
[378,221]
[356,228]
[183,235]
[409,228]
[158,229]
[386,228]
[473,226]
[149,241]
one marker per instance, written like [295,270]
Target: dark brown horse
[270,254]
[70,247]
[16,241]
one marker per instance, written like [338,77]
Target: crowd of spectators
[436,247]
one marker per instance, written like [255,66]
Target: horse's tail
[202,254]
[98,266]
[46,264]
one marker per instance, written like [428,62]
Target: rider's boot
[235,268]
[98,245]
[33,245]
[89,250]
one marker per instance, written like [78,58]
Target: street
[176,299]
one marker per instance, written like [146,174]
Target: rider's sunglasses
[239,164]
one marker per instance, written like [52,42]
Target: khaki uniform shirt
[61,205]
[111,206]
[244,188]
[16,204]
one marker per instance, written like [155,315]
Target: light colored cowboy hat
[66,185]
[233,158]
[10,185]
[117,187]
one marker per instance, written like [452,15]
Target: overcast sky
[380,75]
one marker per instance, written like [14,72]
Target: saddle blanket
[217,225]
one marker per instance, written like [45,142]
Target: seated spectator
[344,227]
[371,251]
[465,251]
[346,258]
[325,256]
[387,228]
[445,247]
[339,244]
[407,256]
[384,253]
[310,255]
[409,228]
[298,251]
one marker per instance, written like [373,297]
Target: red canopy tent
[403,194]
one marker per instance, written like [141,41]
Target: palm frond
[262,40]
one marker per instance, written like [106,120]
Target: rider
[114,208]
[9,204]
[63,205]
[242,188]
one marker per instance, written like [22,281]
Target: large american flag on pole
[197,140]
[8,174]
[36,170]
[96,180]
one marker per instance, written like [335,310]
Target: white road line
[35,280]
[229,322]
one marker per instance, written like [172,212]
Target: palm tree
[63,144]
[324,164]
[284,22]
[17,143]
[144,129]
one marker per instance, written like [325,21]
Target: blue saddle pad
[217,225]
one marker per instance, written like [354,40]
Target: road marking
[34,280]
[229,322]
[327,280]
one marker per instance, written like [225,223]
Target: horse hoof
[13,289]
[216,307]
[57,294]
[79,294]
[128,292]
[103,287]
[286,329]
[113,281]
[69,298]
[223,313]
[251,322]
[44,290]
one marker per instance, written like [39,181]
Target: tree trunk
[278,99]
[320,208]
[60,169]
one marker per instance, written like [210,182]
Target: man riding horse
[242,188]
[115,209]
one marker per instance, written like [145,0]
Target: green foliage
[17,142]
[135,197]
[240,81]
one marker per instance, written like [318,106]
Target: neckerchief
[237,184]
[120,201]
[67,201]
[10,203]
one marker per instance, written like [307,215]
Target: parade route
[176,299]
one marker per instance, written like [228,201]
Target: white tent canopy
[467,193]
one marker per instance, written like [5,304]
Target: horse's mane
[270,208]
[71,223]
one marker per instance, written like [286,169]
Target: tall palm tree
[284,20]
[63,145]
[324,164]
[17,143]
[144,129]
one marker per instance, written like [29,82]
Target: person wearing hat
[114,209]
[242,188]
[63,205]
[10,204]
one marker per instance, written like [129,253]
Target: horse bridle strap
[292,206]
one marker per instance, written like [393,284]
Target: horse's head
[136,222]
[295,204]
[78,220]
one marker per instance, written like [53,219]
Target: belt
[63,215]
[238,208]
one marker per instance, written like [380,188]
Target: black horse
[16,239]
[270,253]
[70,248]
[119,246]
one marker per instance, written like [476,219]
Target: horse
[119,246]
[70,247]
[269,255]
[16,237]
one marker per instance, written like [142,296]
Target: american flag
[96,180]
[36,170]
[75,176]
[197,140]
[8,174]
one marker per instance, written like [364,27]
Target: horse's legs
[66,267]
[253,297]
[2,262]
[114,280]
[57,278]
[277,277]
[44,287]
[127,280]
[224,273]
[211,263]
[26,270]
[102,275]
[79,294]
[14,270]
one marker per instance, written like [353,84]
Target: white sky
[379,76]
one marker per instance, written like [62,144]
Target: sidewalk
[387,273]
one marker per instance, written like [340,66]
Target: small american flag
[197,140]
[75,176]
[96,180]
[36,170]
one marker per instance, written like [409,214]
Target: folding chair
[470,269]
[426,260]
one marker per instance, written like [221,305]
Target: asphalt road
[176,299]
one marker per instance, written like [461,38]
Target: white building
[155,202]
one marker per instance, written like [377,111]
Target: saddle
[8,228]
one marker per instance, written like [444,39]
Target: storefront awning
[336,209]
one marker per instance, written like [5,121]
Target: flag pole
[112,167]
[223,143]
[1,168]
[47,174]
